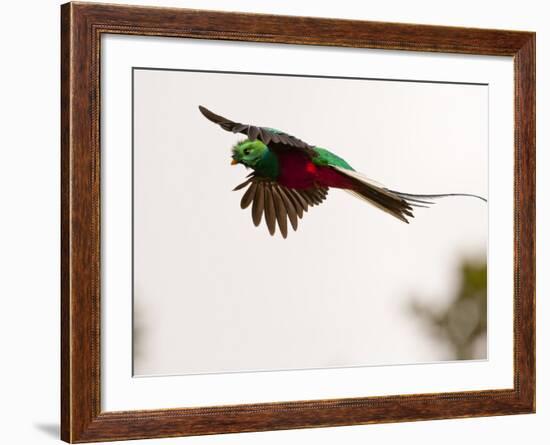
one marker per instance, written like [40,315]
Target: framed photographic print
[274,222]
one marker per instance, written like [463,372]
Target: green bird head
[248,152]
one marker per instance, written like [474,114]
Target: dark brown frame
[82,25]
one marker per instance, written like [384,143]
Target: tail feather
[397,204]
[414,197]
[383,204]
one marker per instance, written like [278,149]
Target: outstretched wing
[276,140]
[277,203]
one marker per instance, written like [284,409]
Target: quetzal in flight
[290,175]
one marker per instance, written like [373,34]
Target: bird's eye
[246,151]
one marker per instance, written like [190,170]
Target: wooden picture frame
[82,25]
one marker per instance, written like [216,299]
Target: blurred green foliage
[462,325]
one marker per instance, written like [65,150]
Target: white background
[30,237]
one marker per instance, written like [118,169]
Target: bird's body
[300,171]
[289,176]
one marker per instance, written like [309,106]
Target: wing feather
[248,195]
[278,204]
[301,204]
[290,209]
[274,139]
[265,136]
[269,211]
[280,210]
[242,185]
[258,204]
[307,197]
[253,133]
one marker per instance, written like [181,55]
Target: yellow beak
[234,162]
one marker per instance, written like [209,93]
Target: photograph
[285,222]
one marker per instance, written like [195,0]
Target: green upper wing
[328,159]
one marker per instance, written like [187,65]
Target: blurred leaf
[462,325]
